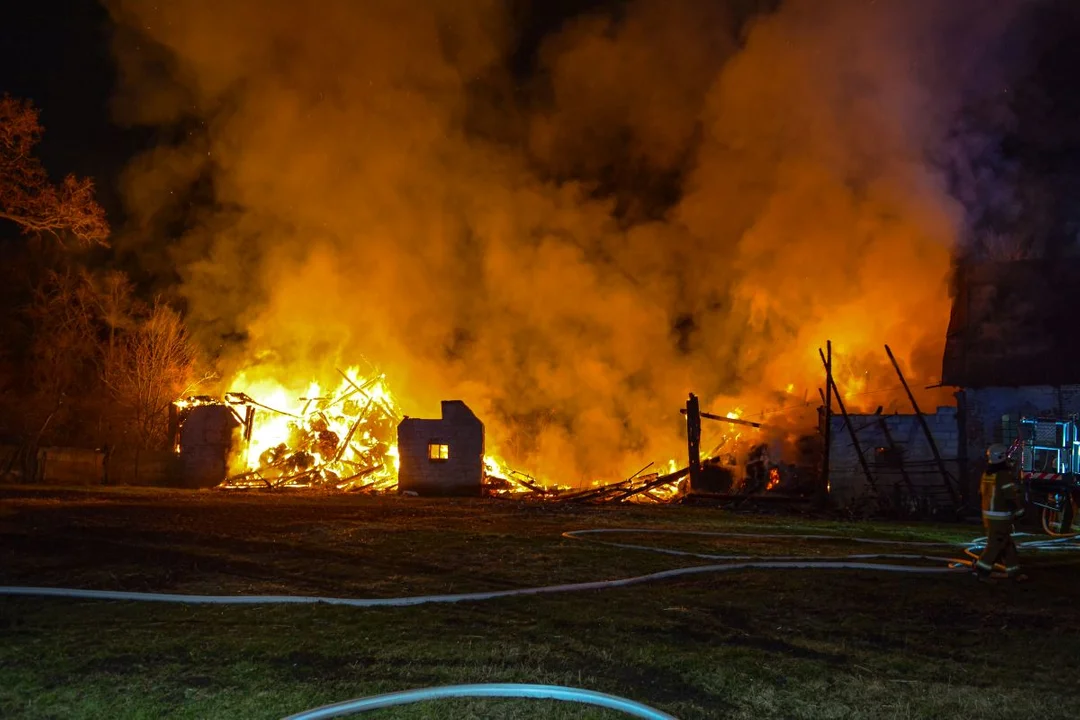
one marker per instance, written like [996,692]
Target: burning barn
[442,457]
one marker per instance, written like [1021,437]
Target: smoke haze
[671,199]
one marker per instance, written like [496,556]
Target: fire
[342,436]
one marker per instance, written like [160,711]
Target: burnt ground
[747,644]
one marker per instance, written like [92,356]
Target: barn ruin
[442,457]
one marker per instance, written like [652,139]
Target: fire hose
[942,564]
[497,690]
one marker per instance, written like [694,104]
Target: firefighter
[1000,508]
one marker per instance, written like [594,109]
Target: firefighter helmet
[997,454]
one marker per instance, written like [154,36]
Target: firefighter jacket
[999,497]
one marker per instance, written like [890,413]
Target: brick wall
[462,472]
[924,488]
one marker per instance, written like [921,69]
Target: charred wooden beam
[723,418]
[823,490]
[899,457]
[945,476]
[693,438]
[382,406]
[658,482]
[527,483]
[595,493]
[352,431]
[847,423]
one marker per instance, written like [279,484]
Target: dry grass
[742,645]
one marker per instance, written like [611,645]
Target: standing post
[851,428]
[693,439]
[926,429]
[824,489]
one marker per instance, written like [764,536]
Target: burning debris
[355,439]
[342,439]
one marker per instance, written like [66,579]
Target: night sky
[57,54]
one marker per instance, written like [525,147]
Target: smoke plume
[672,198]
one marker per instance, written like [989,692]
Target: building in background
[1012,350]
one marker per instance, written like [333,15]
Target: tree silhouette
[28,198]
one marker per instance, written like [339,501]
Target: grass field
[746,644]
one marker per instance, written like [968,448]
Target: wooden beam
[824,482]
[946,478]
[693,438]
[724,418]
[851,428]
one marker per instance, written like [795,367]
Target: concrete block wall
[847,480]
[206,438]
[462,473]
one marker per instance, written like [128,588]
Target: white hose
[499,690]
[461,597]
[733,562]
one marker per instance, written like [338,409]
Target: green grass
[757,644]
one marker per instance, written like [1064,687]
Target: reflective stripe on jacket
[998,491]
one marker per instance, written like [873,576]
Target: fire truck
[1048,450]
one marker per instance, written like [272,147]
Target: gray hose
[465,597]
[500,690]
[732,562]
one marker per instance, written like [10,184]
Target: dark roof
[1014,324]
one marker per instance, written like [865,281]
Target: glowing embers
[774,479]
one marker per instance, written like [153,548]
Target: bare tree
[150,367]
[28,198]
[64,347]
[59,369]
